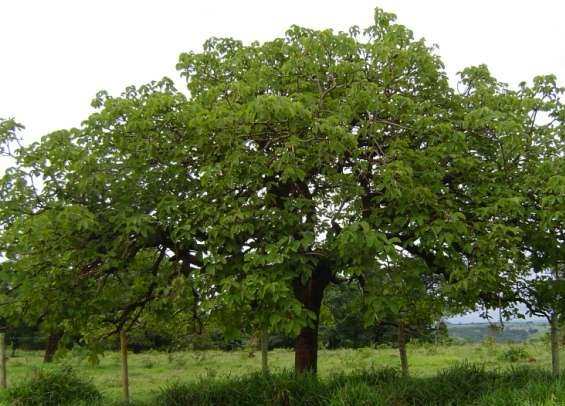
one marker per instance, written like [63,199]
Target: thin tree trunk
[15,342]
[265,352]
[3,360]
[554,334]
[310,295]
[124,362]
[402,349]
[52,345]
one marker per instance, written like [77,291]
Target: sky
[55,55]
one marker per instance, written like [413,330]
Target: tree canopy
[315,158]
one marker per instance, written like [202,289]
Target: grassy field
[151,371]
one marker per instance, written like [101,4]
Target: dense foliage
[314,159]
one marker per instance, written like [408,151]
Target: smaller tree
[544,296]
[406,296]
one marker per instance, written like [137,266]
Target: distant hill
[512,331]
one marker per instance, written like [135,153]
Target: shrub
[515,354]
[53,387]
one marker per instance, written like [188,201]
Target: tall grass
[52,387]
[464,384]
[285,388]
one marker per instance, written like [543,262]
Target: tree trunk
[310,295]
[124,362]
[554,334]
[3,360]
[15,343]
[402,349]
[52,345]
[265,352]
[306,350]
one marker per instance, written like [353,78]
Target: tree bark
[402,349]
[52,345]
[265,352]
[554,335]
[124,365]
[310,295]
[3,360]
[306,350]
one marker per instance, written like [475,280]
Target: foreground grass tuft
[53,387]
[285,388]
[356,394]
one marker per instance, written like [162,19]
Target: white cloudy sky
[55,55]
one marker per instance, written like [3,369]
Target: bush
[53,387]
[515,354]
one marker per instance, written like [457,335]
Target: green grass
[151,371]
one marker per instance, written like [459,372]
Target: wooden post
[124,362]
[265,351]
[2,360]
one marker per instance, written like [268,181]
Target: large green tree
[312,159]
[326,155]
